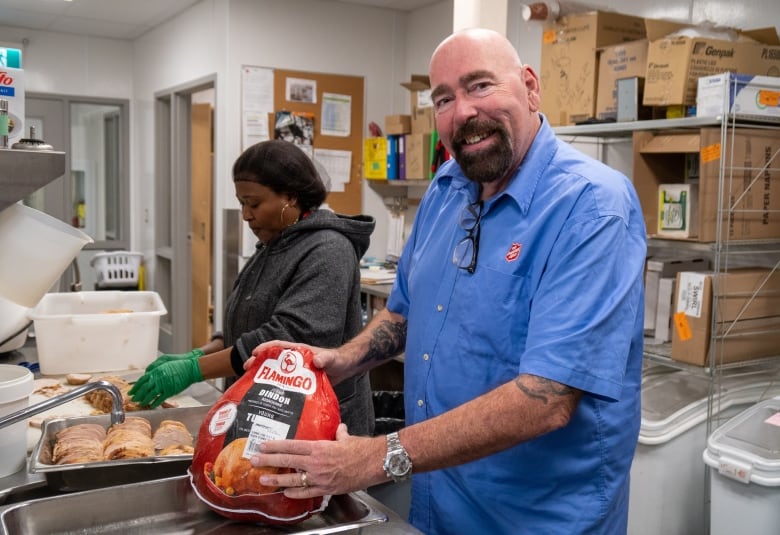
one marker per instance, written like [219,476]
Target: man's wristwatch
[398,465]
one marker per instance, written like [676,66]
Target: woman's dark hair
[284,168]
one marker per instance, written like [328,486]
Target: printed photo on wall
[296,127]
[300,90]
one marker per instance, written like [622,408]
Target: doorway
[94,192]
[184,213]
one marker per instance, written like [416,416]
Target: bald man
[518,303]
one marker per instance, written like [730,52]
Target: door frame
[173,248]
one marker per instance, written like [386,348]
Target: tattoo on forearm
[542,389]
[388,340]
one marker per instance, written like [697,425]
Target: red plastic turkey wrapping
[282,396]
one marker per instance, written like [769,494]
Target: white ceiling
[123,19]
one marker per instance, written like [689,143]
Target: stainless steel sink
[168,506]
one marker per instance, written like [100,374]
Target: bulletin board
[350,89]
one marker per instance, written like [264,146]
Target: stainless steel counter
[26,483]
[28,488]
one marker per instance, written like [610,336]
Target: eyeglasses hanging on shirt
[465,254]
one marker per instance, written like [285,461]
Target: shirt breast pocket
[493,312]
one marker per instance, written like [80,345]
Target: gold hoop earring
[281,216]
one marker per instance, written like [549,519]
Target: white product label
[424,99]
[264,429]
[691,293]
[734,469]
[223,419]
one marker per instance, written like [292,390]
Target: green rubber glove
[166,380]
[162,359]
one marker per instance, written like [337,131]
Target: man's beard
[489,164]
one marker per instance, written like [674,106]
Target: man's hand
[325,359]
[331,467]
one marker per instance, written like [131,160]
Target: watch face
[399,465]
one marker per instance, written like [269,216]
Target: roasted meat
[82,443]
[171,433]
[102,400]
[129,440]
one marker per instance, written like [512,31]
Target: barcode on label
[264,429]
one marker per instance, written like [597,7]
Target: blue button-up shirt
[557,292]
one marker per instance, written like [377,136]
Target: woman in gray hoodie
[302,283]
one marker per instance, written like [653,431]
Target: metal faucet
[117,403]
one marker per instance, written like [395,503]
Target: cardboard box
[747,96]
[753,203]
[678,215]
[375,158]
[676,61]
[662,266]
[398,124]
[754,199]
[624,60]
[420,104]
[418,156]
[569,67]
[745,303]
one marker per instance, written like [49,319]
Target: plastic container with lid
[744,459]
[667,476]
[92,332]
[16,385]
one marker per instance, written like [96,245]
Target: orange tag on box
[710,153]
[683,329]
[769,98]
[549,36]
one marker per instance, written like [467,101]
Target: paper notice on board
[336,115]
[337,164]
[257,101]
[257,89]
[255,128]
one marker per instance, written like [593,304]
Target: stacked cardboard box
[660,274]
[751,202]
[676,59]
[624,60]
[743,305]
[749,97]
[417,149]
[569,69]
[420,104]
[398,124]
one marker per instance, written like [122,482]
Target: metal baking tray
[87,476]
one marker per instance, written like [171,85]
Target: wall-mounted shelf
[624,129]
[25,171]
[390,189]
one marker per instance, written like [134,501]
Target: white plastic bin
[667,476]
[101,331]
[16,385]
[744,460]
[117,269]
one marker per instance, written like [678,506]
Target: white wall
[346,39]
[215,37]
